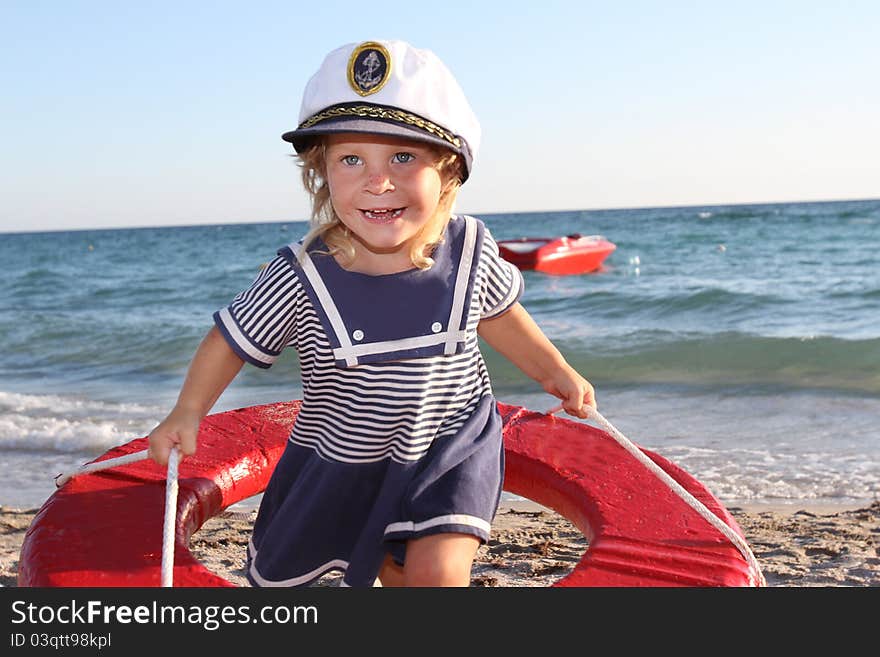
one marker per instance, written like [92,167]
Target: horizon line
[476,213]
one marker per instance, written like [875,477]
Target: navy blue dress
[398,435]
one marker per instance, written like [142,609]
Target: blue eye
[351,160]
[402,158]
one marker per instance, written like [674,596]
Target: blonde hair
[324,222]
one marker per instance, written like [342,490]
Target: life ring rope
[170,519]
[680,490]
[97,466]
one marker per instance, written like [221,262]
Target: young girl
[394,465]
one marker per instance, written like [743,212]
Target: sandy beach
[533,546]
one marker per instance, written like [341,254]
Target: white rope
[62,478]
[170,520]
[682,492]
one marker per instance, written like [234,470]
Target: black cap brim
[302,138]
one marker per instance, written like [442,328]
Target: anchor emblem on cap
[369,68]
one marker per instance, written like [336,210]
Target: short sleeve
[502,282]
[261,320]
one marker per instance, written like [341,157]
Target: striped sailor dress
[398,435]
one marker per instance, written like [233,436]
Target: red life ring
[105,528]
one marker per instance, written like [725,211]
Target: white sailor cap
[388,88]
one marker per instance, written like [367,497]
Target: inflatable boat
[105,528]
[571,254]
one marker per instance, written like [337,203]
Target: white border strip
[389,346]
[240,339]
[328,306]
[512,293]
[461,284]
[293,581]
[452,519]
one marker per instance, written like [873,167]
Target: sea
[740,341]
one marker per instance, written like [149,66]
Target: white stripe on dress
[241,340]
[461,284]
[452,519]
[350,354]
[327,304]
[292,581]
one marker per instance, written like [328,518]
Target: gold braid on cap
[387,113]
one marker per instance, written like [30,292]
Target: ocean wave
[730,212]
[66,424]
[768,475]
[665,303]
[726,359]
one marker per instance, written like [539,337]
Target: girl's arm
[517,337]
[212,369]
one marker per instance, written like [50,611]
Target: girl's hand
[211,370]
[573,389]
[515,336]
[179,430]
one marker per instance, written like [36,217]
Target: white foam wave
[15,402]
[750,475]
[67,424]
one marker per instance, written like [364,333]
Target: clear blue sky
[157,113]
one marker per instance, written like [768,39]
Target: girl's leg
[390,574]
[440,560]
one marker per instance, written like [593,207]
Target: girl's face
[385,190]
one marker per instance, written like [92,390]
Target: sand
[533,546]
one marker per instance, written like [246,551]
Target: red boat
[571,254]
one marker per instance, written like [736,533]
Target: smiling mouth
[382,216]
